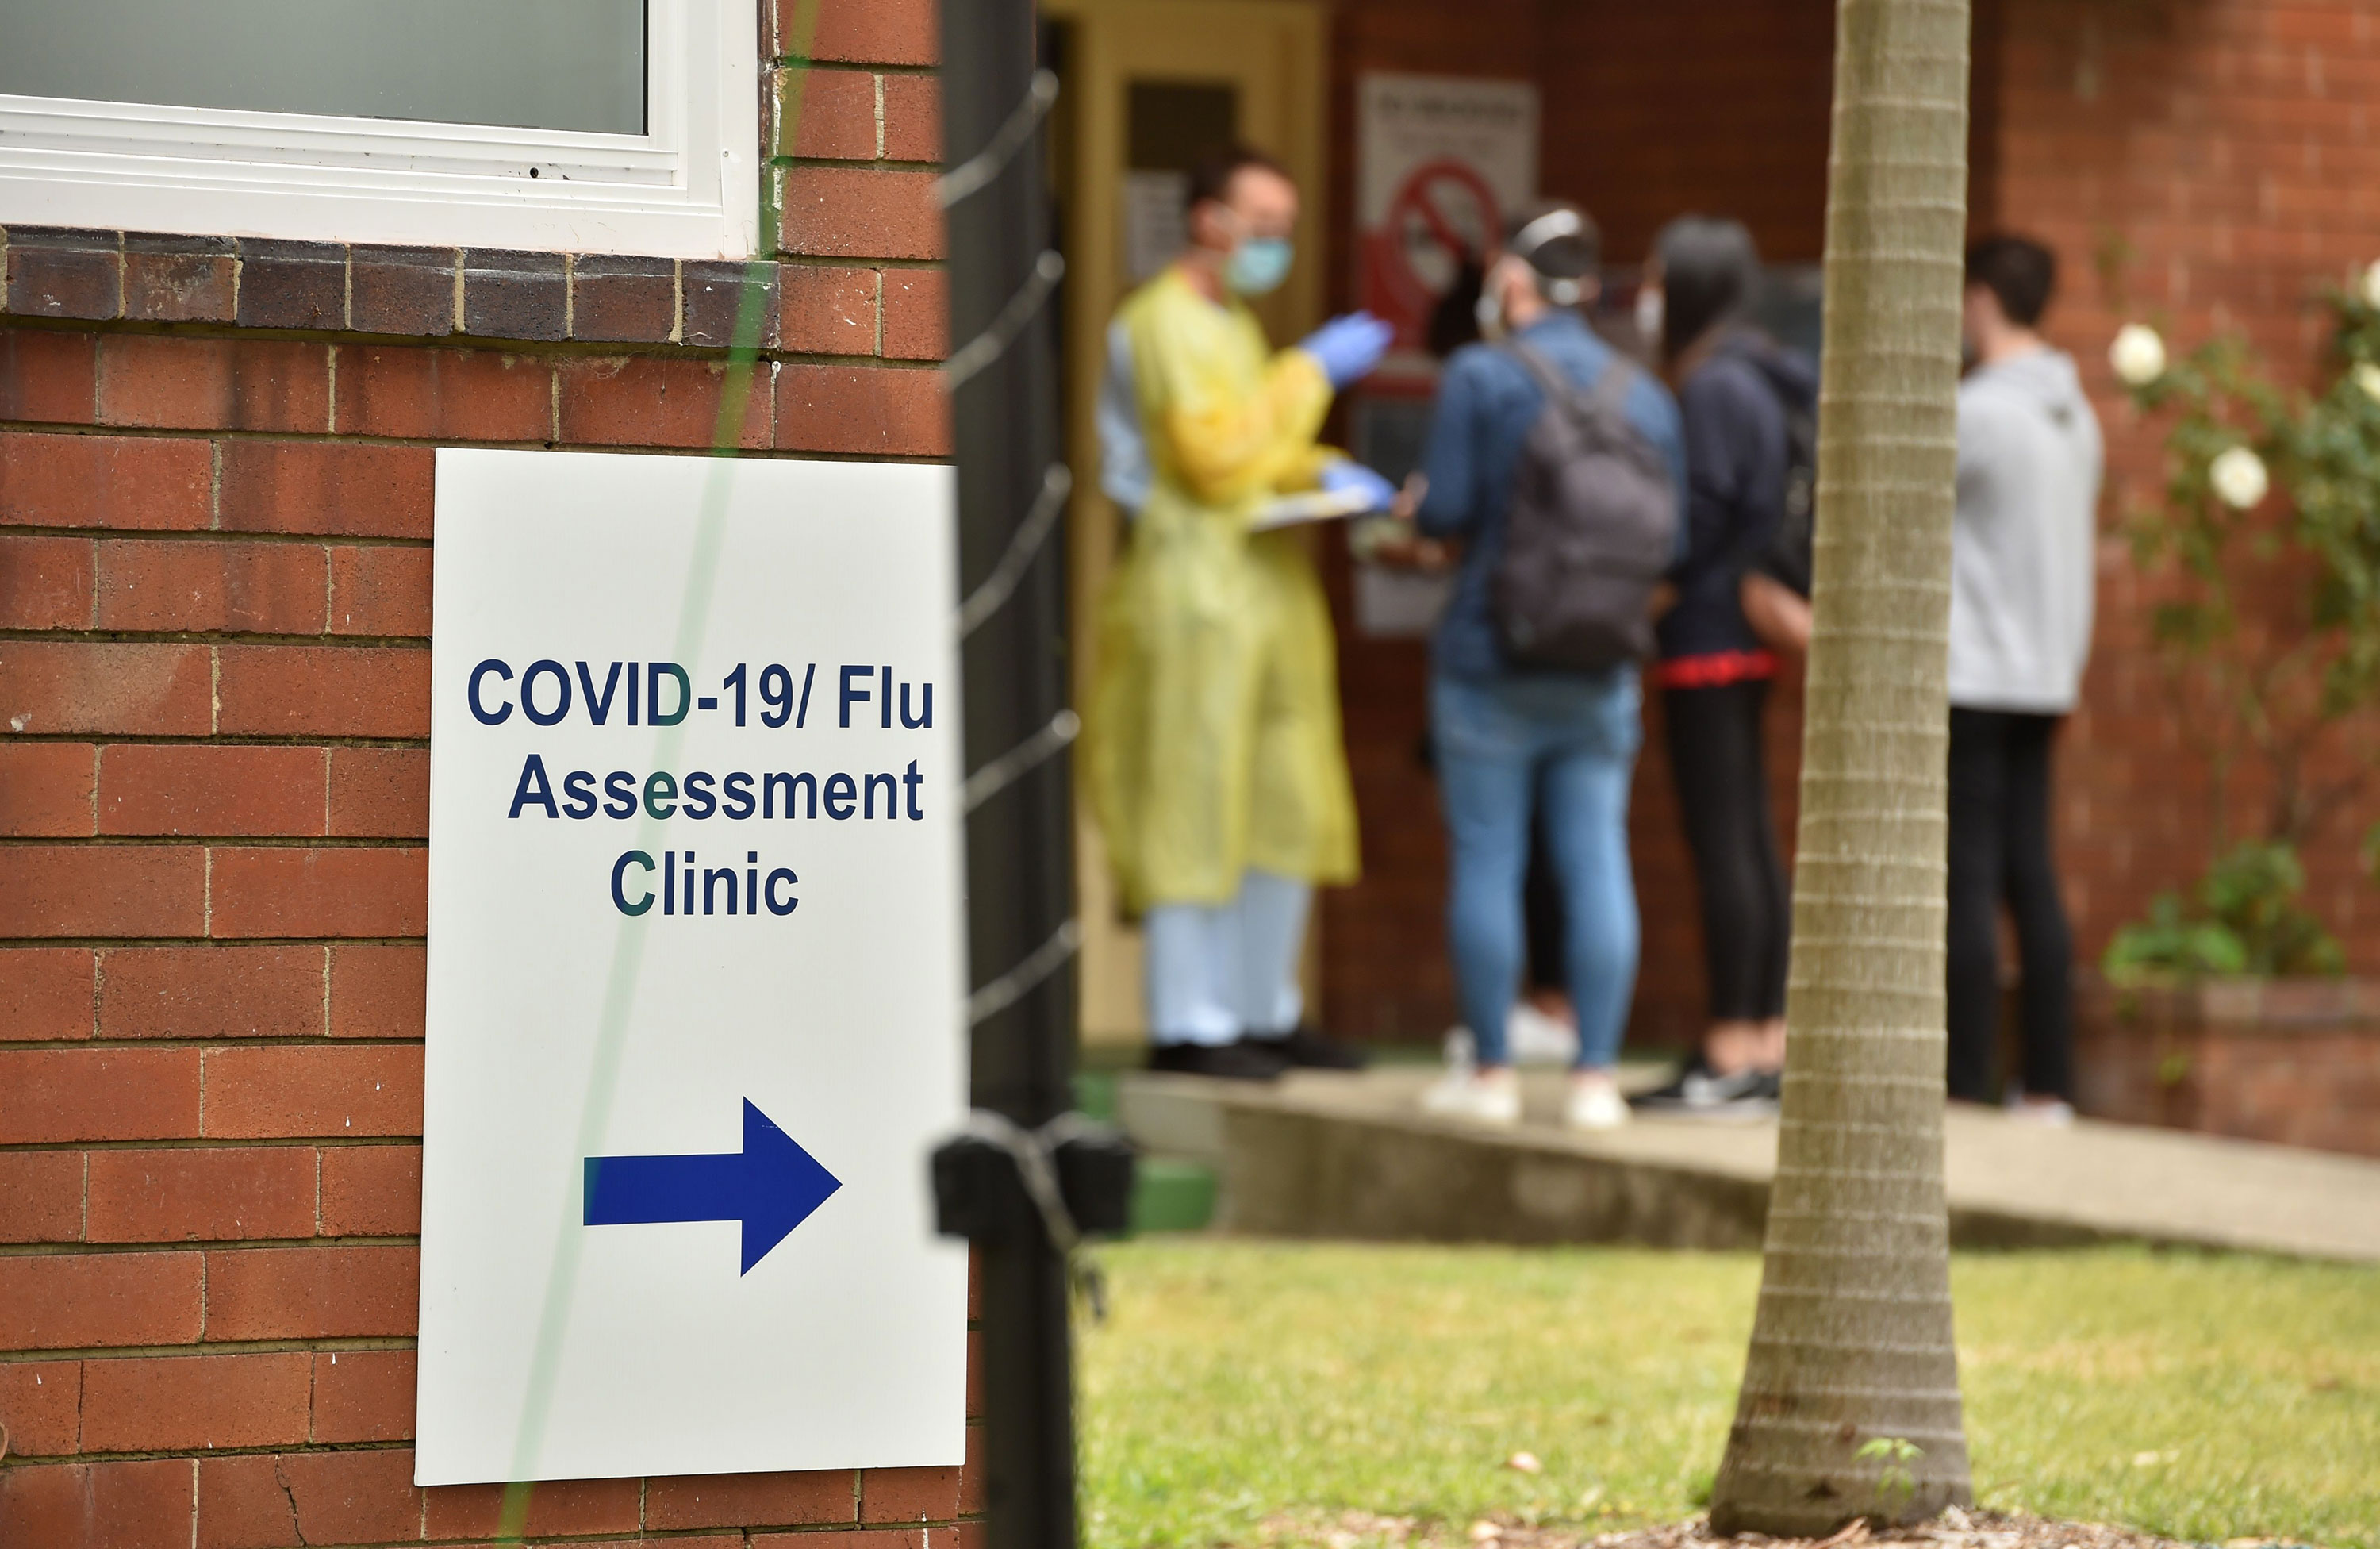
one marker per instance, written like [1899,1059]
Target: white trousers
[1217,972]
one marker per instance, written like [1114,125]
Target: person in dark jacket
[1736,392]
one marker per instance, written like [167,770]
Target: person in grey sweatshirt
[2022,570]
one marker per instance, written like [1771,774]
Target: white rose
[2138,355]
[2239,478]
[2367,376]
[2371,286]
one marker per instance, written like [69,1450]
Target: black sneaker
[1311,1049]
[1698,1093]
[1243,1061]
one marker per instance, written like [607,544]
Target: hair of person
[1211,175]
[1559,243]
[1710,277]
[2019,271]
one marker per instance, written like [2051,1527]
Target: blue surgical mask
[1259,265]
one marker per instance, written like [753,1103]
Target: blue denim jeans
[1500,744]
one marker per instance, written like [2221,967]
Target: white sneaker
[1534,1038]
[1595,1104]
[2050,1112]
[1481,1097]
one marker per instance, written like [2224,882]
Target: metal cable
[978,170]
[1018,982]
[1024,544]
[1005,770]
[993,342]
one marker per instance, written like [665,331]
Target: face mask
[1490,314]
[1259,265]
[1649,313]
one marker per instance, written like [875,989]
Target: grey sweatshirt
[2022,560]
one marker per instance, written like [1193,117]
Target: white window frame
[688,187]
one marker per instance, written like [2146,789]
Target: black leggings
[2000,850]
[1724,794]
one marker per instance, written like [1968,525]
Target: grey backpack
[1592,529]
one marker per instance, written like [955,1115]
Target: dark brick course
[402,290]
[714,295]
[179,279]
[54,272]
[292,284]
[623,299]
[509,295]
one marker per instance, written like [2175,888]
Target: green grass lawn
[2201,1396]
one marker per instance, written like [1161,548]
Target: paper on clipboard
[1290,510]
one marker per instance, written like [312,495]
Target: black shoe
[1311,1049]
[1696,1093]
[1242,1061]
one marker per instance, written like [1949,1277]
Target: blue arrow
[770,1186]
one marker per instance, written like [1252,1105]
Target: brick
[243,1504]
[318,893]
[47,993]
[292,284]
[750,1500]
[46,789]
[443,395]
[45,583]
[401,290]
[971,1475]
[363,1396]
[283,690]
[312,1293]
[210,992]
[137,1504]
[916,314]
[40,1197]
[68,1301]
[271,589]
[716,295]
[861,31]
[159,1404]
[909,1495]
[211,790]
[380,591]
[842,212]
[826,114]
[582,1506]
[371,1191]
[313,1090]
[179,279]
[175,382]
[615,298]
[643,400]
[47,376]
[127,890]
[105,480]
[39,1406]
[378,991]
[380,793]
[274,1501]
[63,272]
[866,1538]
[318,487]
[62,1096]
[510,295]
[857,408]
[828,311]
[912,119]
[216,1194]
[127,690]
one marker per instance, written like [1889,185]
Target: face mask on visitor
[1259,265]
[1649,313]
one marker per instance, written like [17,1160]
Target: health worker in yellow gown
[1212,744]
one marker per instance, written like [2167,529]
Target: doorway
[1147,87]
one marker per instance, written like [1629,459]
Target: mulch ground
[1955,1528]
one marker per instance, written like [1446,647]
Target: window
[586,125]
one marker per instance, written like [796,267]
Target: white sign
[1441,161]
[695,969]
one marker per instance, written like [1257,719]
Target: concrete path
[1335,1155]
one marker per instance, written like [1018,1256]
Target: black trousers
[2000,852]
[1723,795]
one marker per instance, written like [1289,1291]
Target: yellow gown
[1213,741]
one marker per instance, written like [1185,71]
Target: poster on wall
[1439,159]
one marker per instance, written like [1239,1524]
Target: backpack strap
[1610,389]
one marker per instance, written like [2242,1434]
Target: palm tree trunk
[1851,1364]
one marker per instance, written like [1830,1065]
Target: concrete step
[1324,1154]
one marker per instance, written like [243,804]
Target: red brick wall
[215,526]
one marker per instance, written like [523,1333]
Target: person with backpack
[1557,464]
[1750,413]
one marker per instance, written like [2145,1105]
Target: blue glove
[1354,478]
[1349,346]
